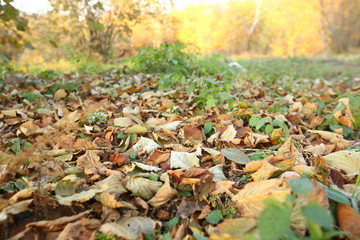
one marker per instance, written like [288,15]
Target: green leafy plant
[83,136]
[97,118]
[210,75]
[48,74]
[268,125]
[104,236]
[70,86]
[208,128]
[4,69]
[275,219]
[168,58]
[30,96]
[214,217]
[18,144]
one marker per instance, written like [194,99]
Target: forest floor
[132,153]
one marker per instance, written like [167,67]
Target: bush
[210,75]
[4,69]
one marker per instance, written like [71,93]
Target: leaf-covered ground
[110,156]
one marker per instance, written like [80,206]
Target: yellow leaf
[60,94]
[233,228]
[265,172]
[137,129]
[250,199]
[347,161]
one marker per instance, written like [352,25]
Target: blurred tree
[341,23]
[11,27]
[96,25]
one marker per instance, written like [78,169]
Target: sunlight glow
[32,6]
[42,6]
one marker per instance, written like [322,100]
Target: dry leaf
[145,145]
[233,228]
[265,172]
[163,195]
[289,150]
[183,160]
[137,129]
[123,122]
[236,155]
[60,94]
[347,161]
[250,199]
[229,134]
[345,116]
[349,221]
[118,230]
[15,209]
[143,187]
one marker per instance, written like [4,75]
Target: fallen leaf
[168,126]
[233,228]
[118,230]
[145,144]
[158,156]
[265,172]
[123,122]
[78,197]
[229,134]
[348,220]
[69,118]
[60,94]
[28,127]
[138,225]
[21,195]
[14,209]
[163,195]
[191,135]
[348,161]
[309,108]
[219,175]
[183,160]
[137,129]
[344,117]
[88,160]
[235,155]
[143,187]
[334,138]
[289,150]
[250,199]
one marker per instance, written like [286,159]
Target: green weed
[4,69]
[211,75]
[97,118]
[70,86]
[275,219]
[104,236]
[17,145]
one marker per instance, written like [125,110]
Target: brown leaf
[89,160]
[120,159]
[345,116]
[349,221]
[163,195]
[192,135]
[290,151]
[158,157]
[28,127]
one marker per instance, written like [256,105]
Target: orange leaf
[349,221]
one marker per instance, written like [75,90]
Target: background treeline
[109,29]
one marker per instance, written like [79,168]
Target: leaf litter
[76,165]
